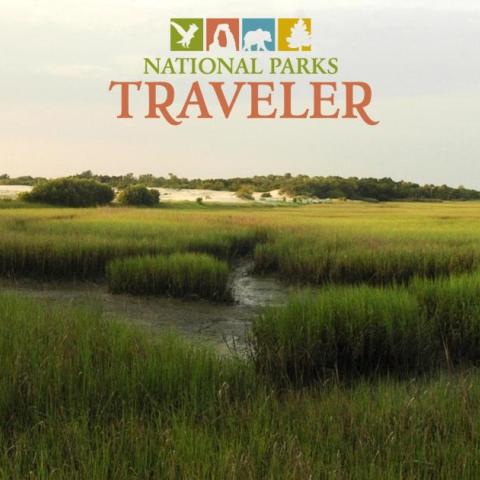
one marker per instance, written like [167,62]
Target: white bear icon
[256,38]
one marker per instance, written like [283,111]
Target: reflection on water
[224,325]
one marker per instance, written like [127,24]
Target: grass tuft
[177,275]
[351,331]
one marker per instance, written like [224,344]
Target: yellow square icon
[295,34]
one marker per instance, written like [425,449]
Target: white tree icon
[299,36]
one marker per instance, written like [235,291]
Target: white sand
[11,191]
[220,196]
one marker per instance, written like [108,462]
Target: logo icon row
[219,35]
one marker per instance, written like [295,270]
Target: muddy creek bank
[224,325]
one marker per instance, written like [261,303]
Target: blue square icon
[258,34]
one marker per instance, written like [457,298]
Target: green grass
[349,261]
[340,332]
[338,243]
[63,243]
[452,306]
[350,331]
[81,397]
[377,380]
[69,361]
[177,275]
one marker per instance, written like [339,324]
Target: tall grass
[453,308]
[178,275]
[320,262]
[81,397]
[338,243]
[60,244]
[341,332]
[351,331]
[58,361]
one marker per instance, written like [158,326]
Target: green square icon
[186,34]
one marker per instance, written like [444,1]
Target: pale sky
[421,58]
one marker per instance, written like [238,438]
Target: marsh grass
[321,262]
[338,243]
[346,332]
[82,397]
[375,382]
[56,244]
[341,332]
[177,275]
[452,306]
[59,361]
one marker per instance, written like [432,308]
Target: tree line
[353,188]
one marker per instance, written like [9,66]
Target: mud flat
[221,324]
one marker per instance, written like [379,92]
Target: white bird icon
[187,35]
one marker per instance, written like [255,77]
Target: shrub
[266,195]
[139,195]
[70,192]
[245,192]
[178,275]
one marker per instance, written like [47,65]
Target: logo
[258,34]
[186,34]
[238,70]
[294,34]
[221,35]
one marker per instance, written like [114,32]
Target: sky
[419,56]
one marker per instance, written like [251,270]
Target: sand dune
[181,195]
[169,194]
[11,191]
[220,196]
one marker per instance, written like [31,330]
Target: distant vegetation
[245,192]
[139,195]
[70,192]
[353,188]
